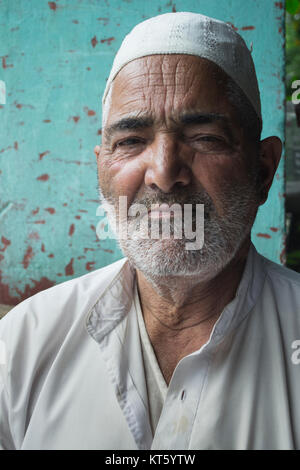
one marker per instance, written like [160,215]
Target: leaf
[292,6]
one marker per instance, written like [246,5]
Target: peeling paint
[94,41]
[107,40]
[263,235]
[5,243]
[41,155]
[52,6]
[51,210]
[28,291]
[71,230]
[69,271]
[89,265]
[63,150]
[43,177]
[27,257]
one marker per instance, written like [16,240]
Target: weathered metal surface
[54,60]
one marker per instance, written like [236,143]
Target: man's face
[171,136]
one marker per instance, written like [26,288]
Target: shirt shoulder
[279,273]
[59,305]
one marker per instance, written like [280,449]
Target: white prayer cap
[192,34]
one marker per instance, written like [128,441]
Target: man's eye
[208,143]
[131,141]
[207,138]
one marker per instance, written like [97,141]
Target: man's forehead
[169,67]
[172,85]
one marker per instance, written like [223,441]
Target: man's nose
[168,164]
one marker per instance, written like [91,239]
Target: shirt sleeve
[6,440]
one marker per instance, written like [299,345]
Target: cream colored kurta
[73,373]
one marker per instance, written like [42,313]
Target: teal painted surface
[54,59]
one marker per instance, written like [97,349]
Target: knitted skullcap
[192,34]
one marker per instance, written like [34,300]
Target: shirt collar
[116,300]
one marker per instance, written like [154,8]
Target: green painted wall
[54,60]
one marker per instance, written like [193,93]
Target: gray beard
[223,236]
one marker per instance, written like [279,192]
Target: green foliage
[292,6]
[292,44]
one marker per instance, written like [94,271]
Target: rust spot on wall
[89,112]
[35,211]
[94,41]
[39,222]
[27,257]
[71,229]
[8,299]
[247,28]
[41,155]
[43,248]
[52,6]
[69,271]
[283,255]
[51,255]
[279,5]
[99,132]
[43,177]
[90,265]
[263,235]
[232,25]
[5,243]
[78,217]
[34,236]
[75,118]
[47,120]
[16,146]
[75,21]
[51,210]
[21,105]
[4,64]
[274,229]
[107,40]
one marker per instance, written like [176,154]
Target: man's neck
[180,312]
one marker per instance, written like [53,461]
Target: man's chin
[169,257]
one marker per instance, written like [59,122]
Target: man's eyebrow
[202,118]
[194,118]
[129,123]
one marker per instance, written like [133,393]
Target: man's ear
[270,154]
[97,151]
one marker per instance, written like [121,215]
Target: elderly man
[168,348]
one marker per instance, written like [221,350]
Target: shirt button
[183,395]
